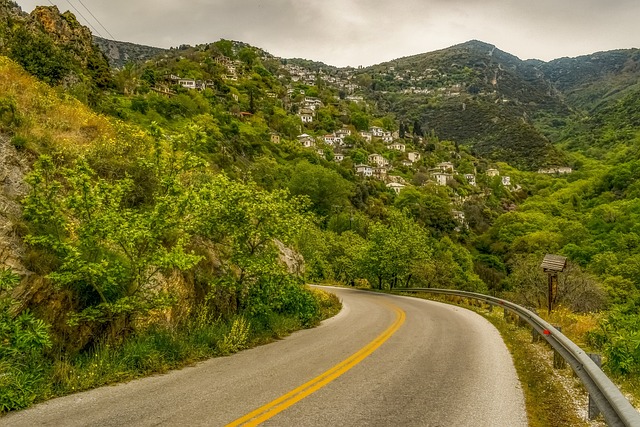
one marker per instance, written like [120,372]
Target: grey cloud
[353,32]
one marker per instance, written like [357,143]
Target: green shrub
[19,141]
[619,340]
[9,116]
[23,340]
[237,337]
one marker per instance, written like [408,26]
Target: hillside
[120,53]
[589,82]
[504,108]
[476,95]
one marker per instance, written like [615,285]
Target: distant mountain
[591,81]
[505,108]
[474,94]
[119,53]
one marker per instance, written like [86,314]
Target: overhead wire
[85,19]
[97,20]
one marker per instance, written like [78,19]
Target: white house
[306,140]
[376,131]
[306,116]
[442,178]
[413,156]
[446,167]
[330,139]
[558,170]
[188,83]
[395,186]
[380,173]
[311,103]
[459,217]
[471,178]
[397,146]
[407,163]
[377,159]
[308,143]
[366,136]
[493,172]
[364,170]
[506,181]
[338,157]
[344,131]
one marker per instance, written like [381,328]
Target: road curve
[441,366]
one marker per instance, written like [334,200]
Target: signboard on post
[552,265]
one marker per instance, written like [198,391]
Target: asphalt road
[430,364]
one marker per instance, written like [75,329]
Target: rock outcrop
[13,187]
[293,260]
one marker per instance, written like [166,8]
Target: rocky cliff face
[119,53]
[65,30]
[13,168]
[54,47]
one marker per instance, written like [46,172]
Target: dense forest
[174,208]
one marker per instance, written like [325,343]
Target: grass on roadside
[160,349]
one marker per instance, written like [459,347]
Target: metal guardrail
[617,410]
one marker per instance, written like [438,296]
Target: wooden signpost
[552,265]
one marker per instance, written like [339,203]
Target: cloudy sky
[365,32]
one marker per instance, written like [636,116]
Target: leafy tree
[325,188]
[225,47]
[39,56]
[360,120]
[417,128]
[393,250]
[453,267]
[428,209]
[248,56]
[243,223]
[110,254]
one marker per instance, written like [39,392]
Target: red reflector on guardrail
[546,332]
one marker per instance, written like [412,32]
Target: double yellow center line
[283,402]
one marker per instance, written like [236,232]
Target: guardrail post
[489,307]
[558,360]
[535,335]
[594,411]
[506,315]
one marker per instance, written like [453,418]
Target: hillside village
[388,156]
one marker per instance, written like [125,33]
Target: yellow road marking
[283,402]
